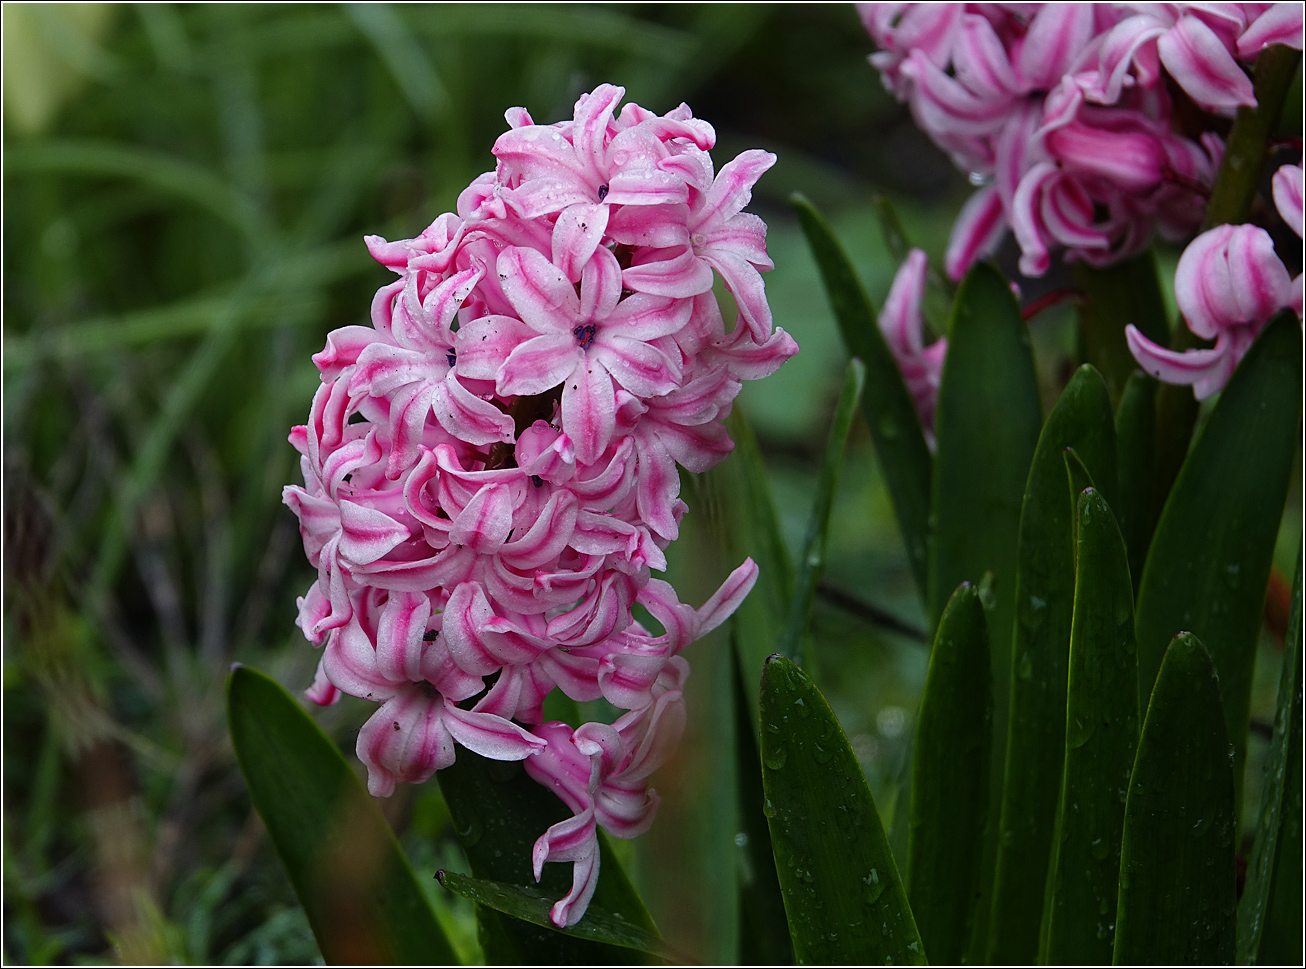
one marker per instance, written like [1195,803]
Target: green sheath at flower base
[950,779]
[1077,442]
[1177,896]
[1101,737]
[843,898]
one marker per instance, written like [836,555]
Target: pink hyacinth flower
[902,325]
[1228,284]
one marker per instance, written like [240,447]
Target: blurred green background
[186,189]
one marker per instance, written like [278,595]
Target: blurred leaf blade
[354,882]
[818,524]
[843,898]
[1274,820]
[1209,564]
[1177,900]
[890,413]
[950,779]
[739,493]
[1101,735]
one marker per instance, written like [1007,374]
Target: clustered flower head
[490,468]
[1067,112]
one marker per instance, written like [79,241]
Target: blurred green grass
[186,192]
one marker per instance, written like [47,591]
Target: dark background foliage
[185,189]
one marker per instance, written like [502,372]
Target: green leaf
[1101,737]
[356,886]
[498,813]
[532,905]
[1124,293]
[1078,432]
[936,301]
[950,779]
[818,524]
[843,898]
[1276,793]
[890,413]
[763,932]
[1135,463]
[1177,893]
[739,502]
[1209,563]
[987,424]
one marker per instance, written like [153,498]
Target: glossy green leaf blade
[1101,740]
[763,931]
[740,504]
[1036,734]
[890,413]
[498,813]
[358,891]
[987,425]
[1176,901]
[818,524]
[1276,794]
[950,780]
[1209,563]
[1135,467]
[1126,292]
[842,894]
[532,905]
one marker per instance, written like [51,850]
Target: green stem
[1239,177]
[1114,296]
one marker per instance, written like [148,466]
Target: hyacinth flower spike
[492,467]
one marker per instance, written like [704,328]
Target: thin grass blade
[818,524]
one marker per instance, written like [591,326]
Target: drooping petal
[976,233]
[1201,64]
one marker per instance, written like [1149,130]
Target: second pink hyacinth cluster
[1065,113]
[490,467]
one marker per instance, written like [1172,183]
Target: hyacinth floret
[1068,113]
[491,467]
